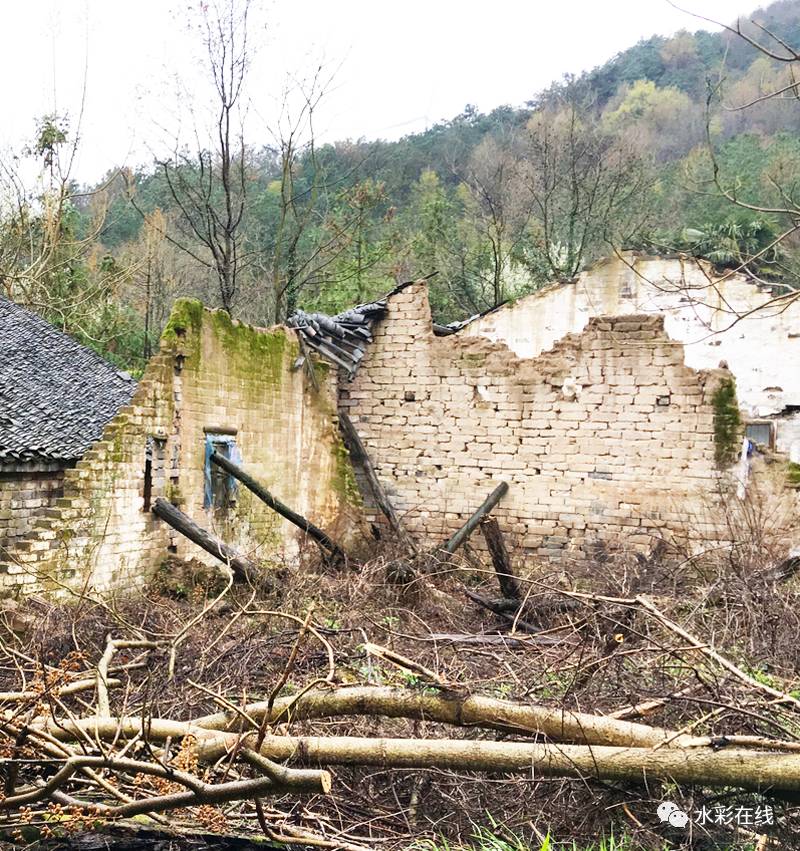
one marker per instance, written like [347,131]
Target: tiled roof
[343,338]
[55,394]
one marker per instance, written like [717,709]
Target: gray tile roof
[55,394]
[341,339]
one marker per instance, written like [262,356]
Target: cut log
[509,587]
[469,527]
[360,455]
[242,567]
[697,765]
[276,505]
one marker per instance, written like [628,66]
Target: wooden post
[276,505]
[509,587]
[359,453]
[242,567]
[468,528]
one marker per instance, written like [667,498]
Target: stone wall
[24,495]
[607,434]
[701,309]
[211,375]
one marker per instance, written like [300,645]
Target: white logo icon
[672,814]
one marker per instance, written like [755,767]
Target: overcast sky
[401,66]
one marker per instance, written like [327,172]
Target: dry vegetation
[617,632]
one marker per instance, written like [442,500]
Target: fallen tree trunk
[359,453]
[469,527]
[447,708]
[242,567]
[509,587]
[276,505]
[378,701]
[743,768]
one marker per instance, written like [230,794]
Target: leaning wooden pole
[242,567]
[509,586]
[469,527]
[276,505]
[359,453]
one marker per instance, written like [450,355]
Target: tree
[587,190]
[209,187]
[497,211]
[779,196]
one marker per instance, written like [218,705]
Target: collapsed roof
[343,338]
[55,394]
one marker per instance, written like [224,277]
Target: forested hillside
[494,204]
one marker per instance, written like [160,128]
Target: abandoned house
[215,385]
[608,405]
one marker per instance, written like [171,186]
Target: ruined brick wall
[699,305]
[211,373]
[607,434]
[24,494]
[240,381]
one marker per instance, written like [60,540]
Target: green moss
[727,423]
[187,315]
[343,480]
[321,368]
[793,473]
[257,352]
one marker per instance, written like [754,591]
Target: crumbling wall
[607,434]
[718,317]
[239,381]
[211,373]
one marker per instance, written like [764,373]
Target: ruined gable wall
[97,534]
[762,350]
[447,418]
[240,379]
[210,373]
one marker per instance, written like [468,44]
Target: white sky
[401,65]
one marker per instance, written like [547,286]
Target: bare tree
[587,189]
[209,186]
[781,199]
[498,211]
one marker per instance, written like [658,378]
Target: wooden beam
[469,527]
[359,453]
[509,587]
[276,505]
[242,567]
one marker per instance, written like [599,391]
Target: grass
[499,838]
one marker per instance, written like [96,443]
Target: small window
[220,487]
[153,470]
[761,432]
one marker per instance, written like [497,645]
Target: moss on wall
[187,315]
[793,474]
[343,479]
[256,350]
[727,423]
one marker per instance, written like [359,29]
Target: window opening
[220,487]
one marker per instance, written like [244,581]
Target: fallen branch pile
[110,731]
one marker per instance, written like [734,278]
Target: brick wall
[211,374]
[606,434]
[24,494]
